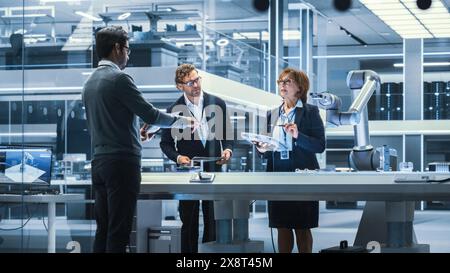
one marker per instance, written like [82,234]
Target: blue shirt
[279,133]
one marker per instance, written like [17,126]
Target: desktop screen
[25,164]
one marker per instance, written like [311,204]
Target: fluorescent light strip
[442,35]
[89,16]
[238,117]
[380,3]
[162,86]
[62,1]
[416,31]
[28,134]
[396,12]
[39,89]
[426,64]
[433,16]
[436,53]
[79,88]
[288,34]
[436,21]
[403,22]
[24,15]
[397,17]
[18,148]
[441,26]
[371,55]
[343,56]
[417,36]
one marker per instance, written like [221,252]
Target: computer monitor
[25,165]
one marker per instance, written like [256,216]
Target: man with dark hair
[211,113]
[113,103]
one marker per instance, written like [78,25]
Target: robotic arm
[362,84]
[332,104]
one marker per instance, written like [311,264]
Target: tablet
[251,137]
[206,159]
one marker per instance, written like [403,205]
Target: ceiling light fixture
[123,16]
[222,42]
[410,21]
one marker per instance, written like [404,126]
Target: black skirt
[291,214]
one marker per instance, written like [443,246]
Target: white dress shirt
[198,113]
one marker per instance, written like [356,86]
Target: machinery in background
[363,157]
[442,167]
[380,219]
[438,167]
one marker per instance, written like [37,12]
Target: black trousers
[116,182]
[189,214]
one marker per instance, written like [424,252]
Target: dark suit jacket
[193,146]
[311,137]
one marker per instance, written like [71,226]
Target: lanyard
[193,115]
[203,128]
[290,119]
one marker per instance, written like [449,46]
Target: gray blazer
[113,103]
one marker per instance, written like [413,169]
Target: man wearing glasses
[209,140]
[113,104]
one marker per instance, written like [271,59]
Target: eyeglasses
[128,50]
[191,83]
[285,82]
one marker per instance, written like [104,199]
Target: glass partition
[47,52]
[42,122]
[15,215]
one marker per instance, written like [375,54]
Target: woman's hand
[291,128]
[263,146]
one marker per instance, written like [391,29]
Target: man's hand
[226,155]
[145,136]
[186,122]
[183,160]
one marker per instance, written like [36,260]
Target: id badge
[284,155]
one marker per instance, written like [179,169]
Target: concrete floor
[432,227]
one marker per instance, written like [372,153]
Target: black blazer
[193,147]
[311,137]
